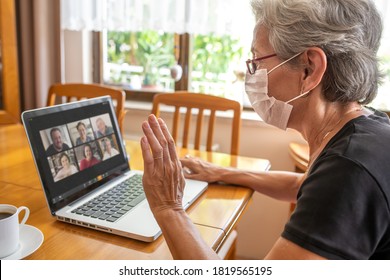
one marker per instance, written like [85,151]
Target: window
[382,101]
[133,26]
[143,61]
[209,66]
[218,65]
[139,60]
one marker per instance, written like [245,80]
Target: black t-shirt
[343,207]
[51,150]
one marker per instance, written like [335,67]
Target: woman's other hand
[197,169]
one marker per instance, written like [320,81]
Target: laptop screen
[77,147]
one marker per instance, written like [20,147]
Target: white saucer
[31,239]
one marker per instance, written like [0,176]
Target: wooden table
[215,213]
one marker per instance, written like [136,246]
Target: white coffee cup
[10,227]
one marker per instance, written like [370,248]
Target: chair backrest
[202,103]
[61,93]
[300,156]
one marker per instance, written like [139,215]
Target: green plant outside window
[143,59]
[215,62]
[139,55]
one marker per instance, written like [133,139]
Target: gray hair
[348,31]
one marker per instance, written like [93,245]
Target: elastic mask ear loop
[299,96]
[284,62]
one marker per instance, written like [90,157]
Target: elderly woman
[313,69]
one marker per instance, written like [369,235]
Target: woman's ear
[315,64]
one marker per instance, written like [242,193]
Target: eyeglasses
[251,64]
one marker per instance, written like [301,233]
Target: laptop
[84,169]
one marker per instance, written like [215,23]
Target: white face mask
[271,110]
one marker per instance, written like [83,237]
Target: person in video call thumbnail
[89,159]
[67,168]
[84,138]
[103,129]
[57,144]
[109,151]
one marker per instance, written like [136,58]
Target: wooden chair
[202,103]
[300,156]
[60,93]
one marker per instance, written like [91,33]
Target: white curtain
[233,17]
[384,9]
[174,16]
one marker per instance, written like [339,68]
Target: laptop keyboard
[114,203]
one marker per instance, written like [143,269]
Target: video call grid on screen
[67,145]
[82,142]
